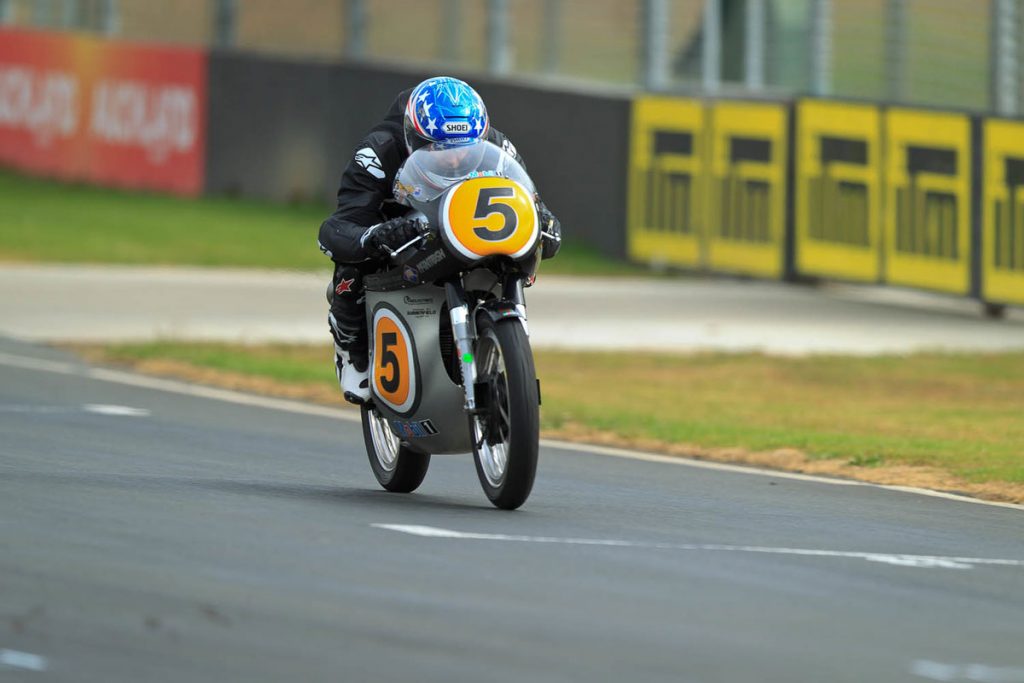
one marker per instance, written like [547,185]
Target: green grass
[958,412]
[48,221]
[43,220]
[279,362]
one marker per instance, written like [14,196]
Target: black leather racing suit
[365,199]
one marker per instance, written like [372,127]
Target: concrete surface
[91,303]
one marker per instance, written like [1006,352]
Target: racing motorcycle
[451,369]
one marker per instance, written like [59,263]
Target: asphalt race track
[153,535]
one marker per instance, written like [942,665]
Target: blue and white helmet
[444,110]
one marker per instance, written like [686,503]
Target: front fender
[500,309]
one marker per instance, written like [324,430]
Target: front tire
[506,437]
[397,467]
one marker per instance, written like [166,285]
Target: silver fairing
[431,416]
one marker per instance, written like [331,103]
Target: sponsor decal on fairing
[415,429]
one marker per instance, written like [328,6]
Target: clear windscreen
[431,170]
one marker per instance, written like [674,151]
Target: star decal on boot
[344,286]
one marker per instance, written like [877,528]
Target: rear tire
[397,467]
[506,440]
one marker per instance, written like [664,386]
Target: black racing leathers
[365,199]
[364,195]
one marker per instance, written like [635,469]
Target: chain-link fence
[953,53]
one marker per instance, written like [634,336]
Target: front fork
[464,329]
[513,292]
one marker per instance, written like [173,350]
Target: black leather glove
[382,239]
[551,229]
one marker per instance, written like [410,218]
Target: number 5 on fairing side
[451,365]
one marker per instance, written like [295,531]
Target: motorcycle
[451,369]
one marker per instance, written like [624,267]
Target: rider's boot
[353,375]
[348,327]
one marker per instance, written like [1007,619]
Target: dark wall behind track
[285,130]
[267,127]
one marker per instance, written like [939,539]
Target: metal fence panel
[961,54]
[600,41]
[948,53]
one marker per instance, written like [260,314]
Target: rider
[369,223]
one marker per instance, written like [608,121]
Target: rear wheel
[507,432]
[398,468]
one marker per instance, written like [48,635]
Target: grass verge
[942,421]
[48,221]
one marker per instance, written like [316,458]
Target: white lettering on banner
[163,119]
[43,103]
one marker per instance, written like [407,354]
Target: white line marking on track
[116,411]
[899,560]
[749,469]
[173,386]
[23,660]
[95,408]
[699,464]
[37,410]
[588,449]
[982,673]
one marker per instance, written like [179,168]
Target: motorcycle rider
[368,223]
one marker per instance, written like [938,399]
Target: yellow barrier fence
[928,207]
[747,194]
[1003,213]
[879,194]
[666,181]
[838,190]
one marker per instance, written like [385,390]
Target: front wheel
[506,432]
[397,467]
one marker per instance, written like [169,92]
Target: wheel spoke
[386,444]
[500,457]
[503,405]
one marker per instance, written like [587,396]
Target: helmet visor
[433,168]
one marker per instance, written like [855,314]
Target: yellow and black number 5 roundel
[395,372]
[490,216]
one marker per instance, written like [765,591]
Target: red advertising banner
[121,114]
